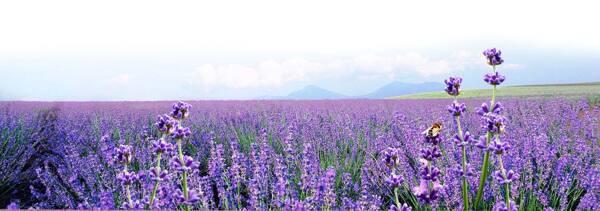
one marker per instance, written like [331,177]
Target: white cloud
[273,73]
[121,78]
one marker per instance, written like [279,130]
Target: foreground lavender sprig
[165,125]
[493,58]
[123,156]
[182,163]
[391,158]
[457,109]
[429,187]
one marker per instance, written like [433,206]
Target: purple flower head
[494,123]
[486,109]
[13,206]
[403,207]
[498,147]
[430,153]
[456,109]
[453,85]
[135,205]
[166,124]
[493,56]
[429,174]
[181,132]
[467,139]
[193,197]
[510,176]
[161,146]
[391,156]
[425,194]
[126,178]
[494,78]
[459,170]
[186,164]
[123,154]
[481,143]
[157,175]
[501,206]
[394,180]
[181,110]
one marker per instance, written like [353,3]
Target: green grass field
[580,89]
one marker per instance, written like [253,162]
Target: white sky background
[78,50]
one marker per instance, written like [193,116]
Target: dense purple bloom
[456,109]
[123,154]
[430,153]
[494,78]
[391,156]
[166,124]
[467,139]
[187,164]
[501,206]
[158,176]
[193,197]
[426,194]
[498,147]
[484,109]
[394,180]
[459,170]
[13,206]
[430,174]
[453,85]
[510,176]
[493,56]
[126,178]
[494,123]
[481,143]
[403,207]
[181,110]
[161,146]
[181,132]
[135,205]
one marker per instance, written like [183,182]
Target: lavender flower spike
[453,85]
[493,56]
[180,110]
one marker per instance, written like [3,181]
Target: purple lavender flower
[403,207]
[501,206]
[181,132]
[430,174]
[458,169]
[155,175]
[180,110]
[430,153]
[161,146]
[394,180]
[136,205]
[391,156]
[494,123]
[494,78]
[193,197]
[426,194]
[329,197]
[484,109]
[498,147]
[481,143]
[183,165]
[510,176]
[456,109]
[166,124]
[493,56]
[453,85]
[467,139]
[123,154]
[126,178]
[13,206]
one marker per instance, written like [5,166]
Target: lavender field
[260,155]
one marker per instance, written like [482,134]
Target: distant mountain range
[395,88]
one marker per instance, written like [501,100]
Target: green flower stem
[184,175]
[507,185]
[465,188]
[127,190]
[486,156]
[396,198]
[158,158]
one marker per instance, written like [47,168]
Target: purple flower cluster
[181,110]
[429,187]
[493,56]
[453,85]
[494,78]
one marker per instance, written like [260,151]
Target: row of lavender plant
[305,155]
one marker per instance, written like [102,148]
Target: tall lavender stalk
[456,109]
[180,162]
[123,156]
[429,187]
[166,126]
[493,59]
[391,158]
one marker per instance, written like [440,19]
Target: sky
[158,50]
